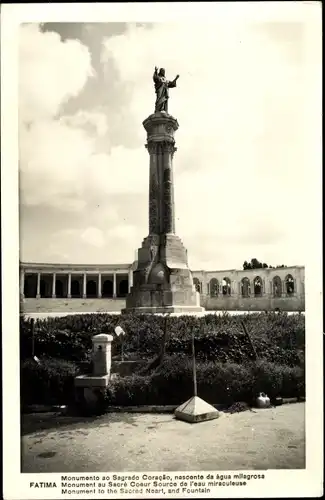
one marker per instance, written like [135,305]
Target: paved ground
[263,439]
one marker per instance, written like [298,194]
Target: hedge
[278,338]
[222,383]
[50,382]
[226,371]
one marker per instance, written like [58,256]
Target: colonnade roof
[128,266]
[81,267]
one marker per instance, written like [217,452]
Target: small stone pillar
[91,388]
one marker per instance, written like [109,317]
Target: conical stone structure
[162,281]
[196,410]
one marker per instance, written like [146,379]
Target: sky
[241,166]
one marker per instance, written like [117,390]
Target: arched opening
[43,288]
[91,289]
[226,286]
[290,285]
[107,289]
[30,286]
[214,287]
[277,286]
[75,288]
[245,287]
[258,286]
[59,289]
[197,284]
[123,288]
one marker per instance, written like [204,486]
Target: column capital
[152,147]
[160,147]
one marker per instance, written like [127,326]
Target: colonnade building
[89,288]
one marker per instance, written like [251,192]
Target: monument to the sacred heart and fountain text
[162,281]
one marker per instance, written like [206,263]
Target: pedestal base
[196,410]
[162,280]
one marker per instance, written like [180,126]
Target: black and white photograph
[162,282]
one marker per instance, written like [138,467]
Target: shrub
[278,338]
[51,382]
[131,390]
[223,383]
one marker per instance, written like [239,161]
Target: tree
[256,264]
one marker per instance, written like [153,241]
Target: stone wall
[71,305]
[252,304]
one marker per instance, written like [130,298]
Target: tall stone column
[38,288]
[154,208]
[168,188]
[53,286]
[84,283]
[99,294]
[69,286]
[162,281]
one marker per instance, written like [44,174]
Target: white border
[298,483]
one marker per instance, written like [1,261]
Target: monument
[162,281]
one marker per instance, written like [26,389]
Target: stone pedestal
[90,388]
[162,281]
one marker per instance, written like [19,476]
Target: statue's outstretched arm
[173,83]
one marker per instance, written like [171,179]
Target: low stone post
[90,388]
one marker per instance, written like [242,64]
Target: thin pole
[122,350]
[33,336]
[194,365]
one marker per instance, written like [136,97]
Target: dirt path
[267,439]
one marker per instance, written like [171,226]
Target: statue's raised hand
[156,69]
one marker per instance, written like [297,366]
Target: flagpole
[194,365]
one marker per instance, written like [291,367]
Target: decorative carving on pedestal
[153,208]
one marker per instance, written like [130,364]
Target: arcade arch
[226,286]
[91,289]
[245,287]
[214,287]
[107,290]
[75,289]
[277,286]
[289,284]
[258,286]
